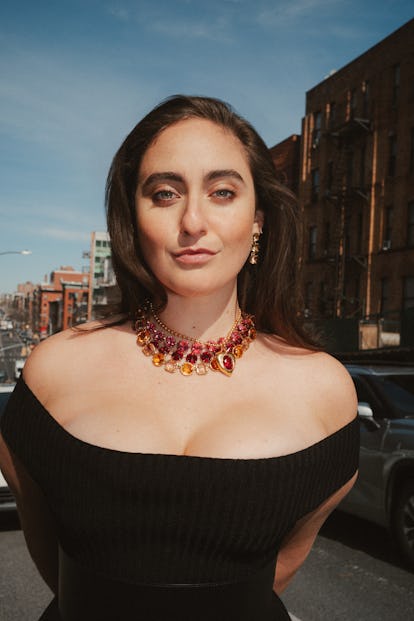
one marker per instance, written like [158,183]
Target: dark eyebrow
[161,176]
[171,176]
[218,174]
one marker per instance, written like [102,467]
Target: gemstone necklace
[175,351]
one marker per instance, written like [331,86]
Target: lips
[194,256]
[193,251]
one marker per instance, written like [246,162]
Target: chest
[122,401]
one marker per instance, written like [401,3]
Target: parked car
[7,501]
[18,367]
[384,491]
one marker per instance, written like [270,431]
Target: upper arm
[331,392]
[36,520]
[298,543]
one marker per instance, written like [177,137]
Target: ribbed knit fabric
[154,518]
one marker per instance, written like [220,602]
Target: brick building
[60,302]
[357,187]
[286,158]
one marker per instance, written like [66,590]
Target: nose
[193,219]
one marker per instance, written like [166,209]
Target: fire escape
[345,194]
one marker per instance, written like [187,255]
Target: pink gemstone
[206,356]
[183,345]
[191,358]
[177,355]
[236,338]
[228,363]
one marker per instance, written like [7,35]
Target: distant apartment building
[60,302]
[102,284]
[286,158]
[356,187]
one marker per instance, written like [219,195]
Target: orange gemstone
[238,351]
[186,368]
[143,337]
[215,365]
[158,359]
[149,349]
[252,334]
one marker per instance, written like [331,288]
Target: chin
[201,288]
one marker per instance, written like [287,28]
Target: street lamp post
[16,252]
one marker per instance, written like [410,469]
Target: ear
[258,221]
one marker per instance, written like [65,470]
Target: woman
[186,482]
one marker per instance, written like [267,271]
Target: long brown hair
[268,290]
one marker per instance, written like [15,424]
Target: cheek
[241,235]
[150,235]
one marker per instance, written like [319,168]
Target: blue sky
[76,76]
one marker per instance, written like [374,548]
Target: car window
[4,396]
[365,393]
[399,391]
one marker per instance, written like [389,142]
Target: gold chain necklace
[175,351]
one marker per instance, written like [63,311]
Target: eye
[224,194]
[164,196]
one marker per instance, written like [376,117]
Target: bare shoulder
[322,381]
[64,358]
[328,383]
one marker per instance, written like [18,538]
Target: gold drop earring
[254,253]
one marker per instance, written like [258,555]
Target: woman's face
[195,208]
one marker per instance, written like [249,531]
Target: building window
[385,295]
[392,150]
[410,225]
[332,114]
[347,240]
[349,169]
[357,286]
[330,175]
[98,243]
[359,231]
[408,292]
[315,184]
[387,228]
[396,84]
[313,231]
[365,99]
[317,125]
[352,103]
[322,298]
[327,238]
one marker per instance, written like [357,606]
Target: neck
[204,317]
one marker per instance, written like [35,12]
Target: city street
[351,573]
[11,349]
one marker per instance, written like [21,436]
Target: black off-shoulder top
[156,518]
